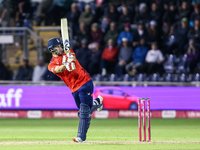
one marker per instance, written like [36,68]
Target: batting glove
[69,61]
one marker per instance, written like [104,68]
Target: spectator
[165,30]
[142,15]
[138,57]
[153,34]
[81,34]
[82,3]
[139,2]
[104,24]
[73,17]
[129,4]
[14,12]
[86,16]
[42,8]
[3,11]
[98,8]
[125,34]
[112,14]
[164,7]
[179,3]
[95,58]
[124,57]
[109,57]
[184,11]
[125,16]
[96,33]
[139,33]
[24,13]
[4,73]
[180,36]
[194,32]
[168,39]
[195,1]
[155,13]
[195,14]
[192,57]
[112,33]
[153,61]
[24,71]
[39,71]
[115,3]
[169,16]
[83,54]
[58,10]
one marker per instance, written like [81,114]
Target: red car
[115,98]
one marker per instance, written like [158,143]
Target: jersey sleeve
[51,67]
[72,53]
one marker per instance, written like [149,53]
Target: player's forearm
[60,69]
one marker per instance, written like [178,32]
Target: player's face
[59,49]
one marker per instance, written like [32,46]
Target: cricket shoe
[97,104]
[101,103]
[77,139]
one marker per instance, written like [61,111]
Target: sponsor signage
[36,97]
[9,114]
[193,114]
[60,98]
[34,114]
[65,114]
[168,114]
[103,114]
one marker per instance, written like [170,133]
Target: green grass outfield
[104,134]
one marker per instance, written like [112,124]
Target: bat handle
[67,51]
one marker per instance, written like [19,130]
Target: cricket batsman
[65,65]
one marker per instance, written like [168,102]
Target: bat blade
[64,30]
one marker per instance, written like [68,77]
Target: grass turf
[50,134]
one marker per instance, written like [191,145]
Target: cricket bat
[64,30]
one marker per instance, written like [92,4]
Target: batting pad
[84,122]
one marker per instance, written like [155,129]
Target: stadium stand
[105,13]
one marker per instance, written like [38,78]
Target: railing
[24,30]
[103,83]
[56,29]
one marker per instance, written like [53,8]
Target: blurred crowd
[117,37]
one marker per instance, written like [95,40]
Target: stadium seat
[112,77]
[140,77]
[180,61]
[168,77]
[195,77]
[182,77]
[97,77]
[125,77]
[169,64]
[154,77]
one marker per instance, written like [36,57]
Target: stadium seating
[180,61]
[182,77]
[125,77]
[195,77]
[112,77]
[168,77]
[169,64]
[140,77]
[97,77]
[154,77]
